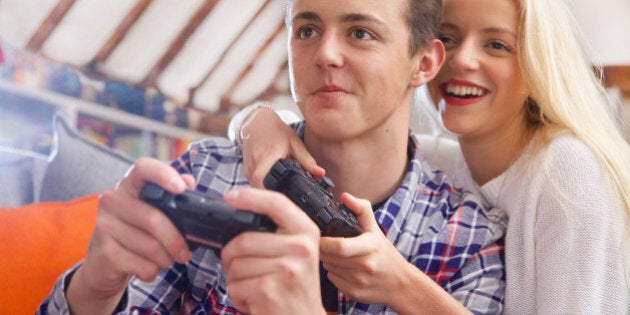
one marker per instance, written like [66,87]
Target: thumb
[362,208]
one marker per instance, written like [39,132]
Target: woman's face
[480,82]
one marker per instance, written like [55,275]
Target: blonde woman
[537,139]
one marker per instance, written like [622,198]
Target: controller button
[324,216]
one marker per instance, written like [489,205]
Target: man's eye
[361,34]
[305,32]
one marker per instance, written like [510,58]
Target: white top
[566,228]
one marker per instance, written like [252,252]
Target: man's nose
[330,51]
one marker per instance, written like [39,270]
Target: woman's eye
[443,39]
[446,40]
[499,46]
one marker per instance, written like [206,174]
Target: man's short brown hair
[424,18]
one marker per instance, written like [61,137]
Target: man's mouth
[329,89]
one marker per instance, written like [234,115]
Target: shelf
[74,106]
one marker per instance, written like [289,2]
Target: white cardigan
[566,229]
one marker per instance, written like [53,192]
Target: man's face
[351,66]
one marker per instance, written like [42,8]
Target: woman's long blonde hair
[566,89]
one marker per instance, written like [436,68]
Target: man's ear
[429,61]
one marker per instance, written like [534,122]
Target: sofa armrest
[21,172]
[80,166]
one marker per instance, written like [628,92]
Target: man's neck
[371,168]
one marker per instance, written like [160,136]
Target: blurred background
[147,77]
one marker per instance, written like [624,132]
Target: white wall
[606,25]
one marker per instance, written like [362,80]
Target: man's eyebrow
[309,16]
[353,17]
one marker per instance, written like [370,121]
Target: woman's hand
[266,138]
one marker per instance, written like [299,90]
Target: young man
[354,65]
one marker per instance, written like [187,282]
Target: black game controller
[204,221]
[315,198]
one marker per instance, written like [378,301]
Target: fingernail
[184,255]
[232,194]
[178,184]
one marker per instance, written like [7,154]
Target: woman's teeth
[463,91]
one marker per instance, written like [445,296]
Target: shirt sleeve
[579,239]
[480,283]
[56,302]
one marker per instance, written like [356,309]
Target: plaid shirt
[440,230]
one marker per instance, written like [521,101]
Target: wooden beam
[618,76]
[121,30]
[208,74]
[180,40]
[228,104]
[49,24]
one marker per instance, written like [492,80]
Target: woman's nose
[464,58]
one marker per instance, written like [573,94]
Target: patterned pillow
[80,166]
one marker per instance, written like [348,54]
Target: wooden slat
[214,124]
[272,91]
[57,14]
[618,76]
[226,102]
[223,55]
[179,42]
[121,30]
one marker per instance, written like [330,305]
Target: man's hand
[265,139]
[271,273]
[366,267]
[130,238]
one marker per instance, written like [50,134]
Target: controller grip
[204,221]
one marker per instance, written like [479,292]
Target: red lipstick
[462,93]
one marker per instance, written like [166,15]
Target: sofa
[48,206]
[76,167]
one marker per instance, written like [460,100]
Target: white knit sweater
[566,229]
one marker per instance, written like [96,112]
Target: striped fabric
[442,231]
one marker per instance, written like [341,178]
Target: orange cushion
[38,242]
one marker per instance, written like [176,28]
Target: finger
[248,295]
[301,154]
[362,208]
[111,261]
[151,170]
[149,220]
[339,250]
[190,181]
[350,287]
[138,266]
[267,293]
[138,242]
[288,217]
[262,168]
[268,245]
